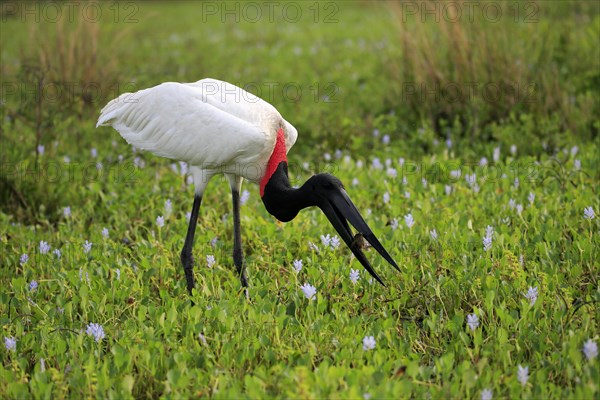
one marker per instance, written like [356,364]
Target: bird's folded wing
[176,121]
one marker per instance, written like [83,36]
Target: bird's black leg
[186,254]
[238,255]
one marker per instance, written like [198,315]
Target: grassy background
[346,75]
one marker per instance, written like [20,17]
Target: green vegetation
[345,75]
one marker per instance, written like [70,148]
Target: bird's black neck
[281,199]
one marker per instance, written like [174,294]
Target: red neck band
[277,157]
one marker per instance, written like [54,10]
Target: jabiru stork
[217,127]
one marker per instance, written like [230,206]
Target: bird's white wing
[181,122]
[245,105]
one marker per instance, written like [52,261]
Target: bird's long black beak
[339,210]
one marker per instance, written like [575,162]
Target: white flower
[57,253]
[471,179]
[472,321]
[183,167]
[588,213]
[376,163]
[94,152]
[326,240]
[67,211]
[335,242]
[44,247]
[309,291]
[577,165]
[455,174]
[105,233]
[42,365]
[118,271]
[532,295]
[516,183]
[354,276]
[512,203]
[513,150]
[433,233]
[368,343]
[160,221]
[394,224]
[409,220]
[355,181]
[590,349]
[313,247]
[496,154]
[168,208]
[95,330]
[202,338]
[523,375]
[10,343]
[531,197]
[519,208]
[574,151]
[385,139]
[210,260]
[483,162]
[297,266]
[87,247]
[486,394]
[392,173]
[40,150]
[448,189]
[487,242]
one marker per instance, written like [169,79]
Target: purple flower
[588,213]
[95,330]
[590,349]
[10,343]
[44,247]
[368,343]
[354,276]
[87,247]
[33,285]
[210,260]
[160,221]
[486,394]
[523,375]
[532,295]
[386,197]
[297,265]
[67,211]
[23,259]
[409,220]
[105,233]
[472,321]
[309,291]
[245,196]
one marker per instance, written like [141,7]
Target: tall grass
[466,68]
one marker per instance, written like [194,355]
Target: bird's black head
[326,192]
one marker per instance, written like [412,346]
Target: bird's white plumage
[212,125]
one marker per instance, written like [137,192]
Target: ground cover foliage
[468,138]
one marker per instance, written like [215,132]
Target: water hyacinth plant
[462,114]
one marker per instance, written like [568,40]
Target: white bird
[217,127]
